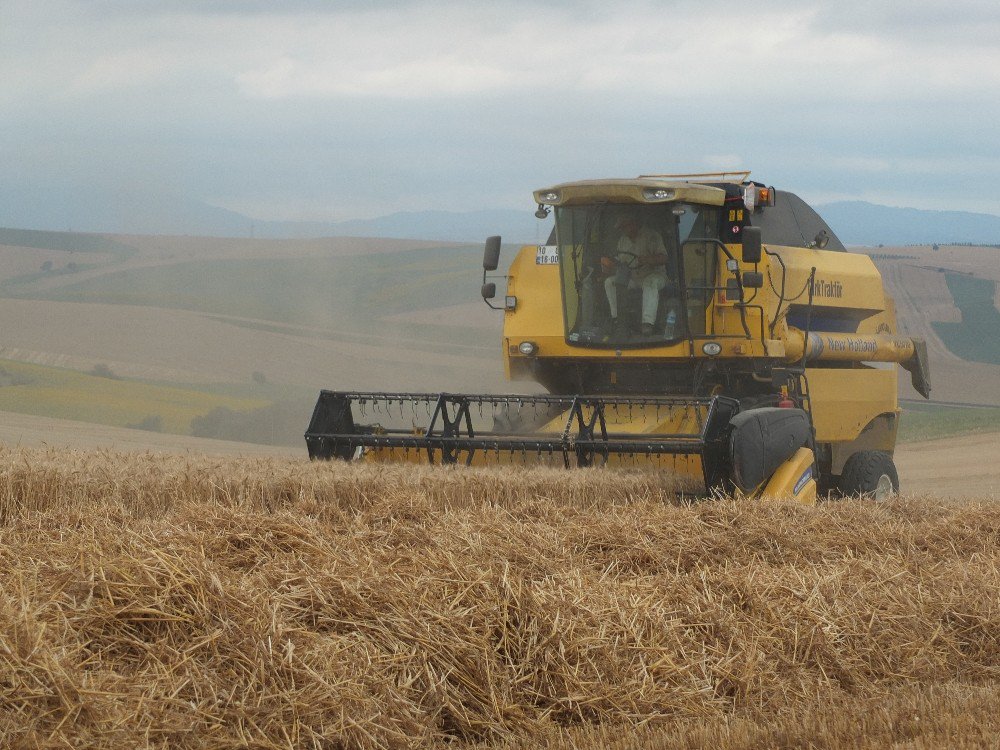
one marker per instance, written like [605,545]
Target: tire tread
[862,472]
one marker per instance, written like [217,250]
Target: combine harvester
[703,324]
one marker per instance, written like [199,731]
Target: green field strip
[70,394]
[10,287]
[85,244]
[65,241]
[977,337]
[931,421]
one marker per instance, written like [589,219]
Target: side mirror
[751,244]
[489,290]
[491,256]
[821,240]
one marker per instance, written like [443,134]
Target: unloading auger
[703,324]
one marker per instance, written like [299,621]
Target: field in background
[233,338]
[975,337]
[102,396]
[194,603]
[928,421]
[948,297]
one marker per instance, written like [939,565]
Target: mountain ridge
[136,212]
[863,223]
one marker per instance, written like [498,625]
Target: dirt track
[964,466]
[949,467]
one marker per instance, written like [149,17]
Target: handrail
[723,176]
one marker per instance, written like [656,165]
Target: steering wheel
[620,259]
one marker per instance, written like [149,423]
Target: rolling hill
[143,211]
[184,327]
[232,338]
[861,223]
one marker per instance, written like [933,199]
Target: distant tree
[72,267]
[150,423]
[278,424]
[14,378]
[258,377]
[101,370]
[218,423]
[46,266]
[934,247]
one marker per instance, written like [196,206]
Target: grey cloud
[862,123]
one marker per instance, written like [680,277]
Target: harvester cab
[706,324]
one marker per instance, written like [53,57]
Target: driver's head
[629,223]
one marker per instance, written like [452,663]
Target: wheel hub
[883,488]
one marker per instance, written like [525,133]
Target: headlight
[658,194]
[712,348]
[552,196]
[527,348]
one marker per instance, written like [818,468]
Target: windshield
[636,275]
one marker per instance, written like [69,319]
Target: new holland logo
[823,288]
[803,480]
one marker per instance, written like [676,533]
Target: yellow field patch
[69,394]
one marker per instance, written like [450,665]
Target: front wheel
[870,474]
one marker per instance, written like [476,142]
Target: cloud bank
[310,110]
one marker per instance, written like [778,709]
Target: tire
[870,474]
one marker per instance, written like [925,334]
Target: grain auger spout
[909,353]
[707,325]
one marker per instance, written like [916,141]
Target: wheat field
[167,601]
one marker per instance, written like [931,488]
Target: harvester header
[706,318]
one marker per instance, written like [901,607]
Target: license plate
[547,255]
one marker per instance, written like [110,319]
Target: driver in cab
[639,262]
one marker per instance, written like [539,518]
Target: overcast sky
[304,109]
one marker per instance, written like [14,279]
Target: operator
[641,249]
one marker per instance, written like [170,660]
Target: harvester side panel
[848,407]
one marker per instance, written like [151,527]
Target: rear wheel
[869,474]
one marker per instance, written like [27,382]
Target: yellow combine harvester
[704,324]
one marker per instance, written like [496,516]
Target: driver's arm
[654,251]
[609,263]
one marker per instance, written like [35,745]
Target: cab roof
[790,222]
[630,190]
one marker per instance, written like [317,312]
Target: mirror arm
[485,298]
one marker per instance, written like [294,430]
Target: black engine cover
[761,440]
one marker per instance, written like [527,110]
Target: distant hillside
[137,211]
[128,211]
[860,223]
[124,211]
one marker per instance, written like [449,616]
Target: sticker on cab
[547,255]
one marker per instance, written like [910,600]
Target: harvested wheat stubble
[229,603]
